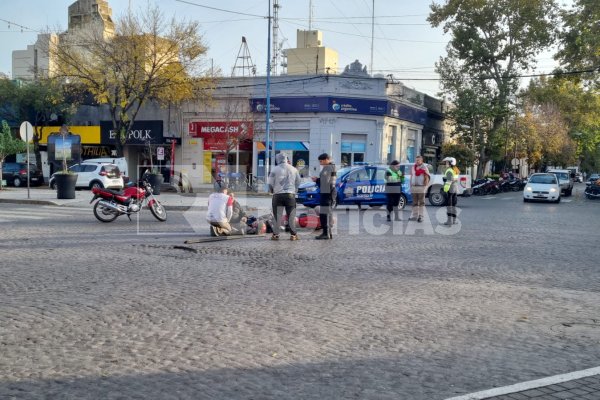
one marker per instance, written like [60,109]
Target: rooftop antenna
[245,61]
[310,15]
[372,37]
[276,45]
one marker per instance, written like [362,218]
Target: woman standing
[450,188]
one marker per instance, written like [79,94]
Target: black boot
[389,218]
[448,221]
[326,235]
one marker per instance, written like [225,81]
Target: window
[380,174]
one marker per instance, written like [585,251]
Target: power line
[20,26]
[220,9]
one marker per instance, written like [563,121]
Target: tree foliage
[493,41]
[580,40]
[149,58]
[45,102]
[9,145]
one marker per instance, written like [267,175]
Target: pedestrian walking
[220,210]
[393,189]
[283,182]
[450,188]
[419,180]
[326,184]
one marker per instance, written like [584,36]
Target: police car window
[380,175]
[360,175]
[363,175]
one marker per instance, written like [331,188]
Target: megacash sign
[206,128]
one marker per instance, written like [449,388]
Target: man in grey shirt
[283,184]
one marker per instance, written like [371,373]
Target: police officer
[326,182]
[450,188]
[393,189]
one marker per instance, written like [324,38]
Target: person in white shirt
[220,210]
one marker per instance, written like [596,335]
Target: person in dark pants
[450,188]
[393,189]
[326,183]
[283,183]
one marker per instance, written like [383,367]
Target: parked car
[578,177]
[120,162]
[91,175]
[564,180]
[362,185]
[542,187]
[16,174]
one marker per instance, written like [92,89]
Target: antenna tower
[310,15]
[276,44]
[243,61]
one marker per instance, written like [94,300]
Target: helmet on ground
[451,160]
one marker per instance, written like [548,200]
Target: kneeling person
[220,210]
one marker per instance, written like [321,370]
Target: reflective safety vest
[449,182]
[396,176]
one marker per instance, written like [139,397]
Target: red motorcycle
[127,202]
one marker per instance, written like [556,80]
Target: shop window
[353,153]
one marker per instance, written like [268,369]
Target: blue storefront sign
[341,105]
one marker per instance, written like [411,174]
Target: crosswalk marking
[41,213]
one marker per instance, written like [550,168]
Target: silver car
[564,180]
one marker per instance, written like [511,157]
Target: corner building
[353,118]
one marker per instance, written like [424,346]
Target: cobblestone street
[414,311]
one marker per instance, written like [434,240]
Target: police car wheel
[402,202]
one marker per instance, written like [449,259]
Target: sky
[404,44]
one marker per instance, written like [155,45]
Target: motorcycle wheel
[103,214]
[159,212]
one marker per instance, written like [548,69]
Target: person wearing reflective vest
[450,188]
[393,189]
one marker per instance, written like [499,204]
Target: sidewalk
[577,385]
[171,200]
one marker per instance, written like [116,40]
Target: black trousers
[393,199]
[451,205]
[326,211]
[280,202]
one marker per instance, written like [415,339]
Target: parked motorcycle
[592,192]
[131,200]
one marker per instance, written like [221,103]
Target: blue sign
[341,105]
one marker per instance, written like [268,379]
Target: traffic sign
[26,131]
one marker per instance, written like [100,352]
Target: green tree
[493,41]
[580,41]
[9,145]
[579,108]
[45,102]
[148,58]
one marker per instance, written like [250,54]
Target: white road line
[17,217]
[519,387]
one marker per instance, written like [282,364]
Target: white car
[543,187]
[91,175]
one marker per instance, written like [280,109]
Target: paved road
[103,311]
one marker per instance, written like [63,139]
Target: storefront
[145,147]
[226,145]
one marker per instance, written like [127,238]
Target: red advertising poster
[219,135]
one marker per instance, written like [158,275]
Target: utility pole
[268,104]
